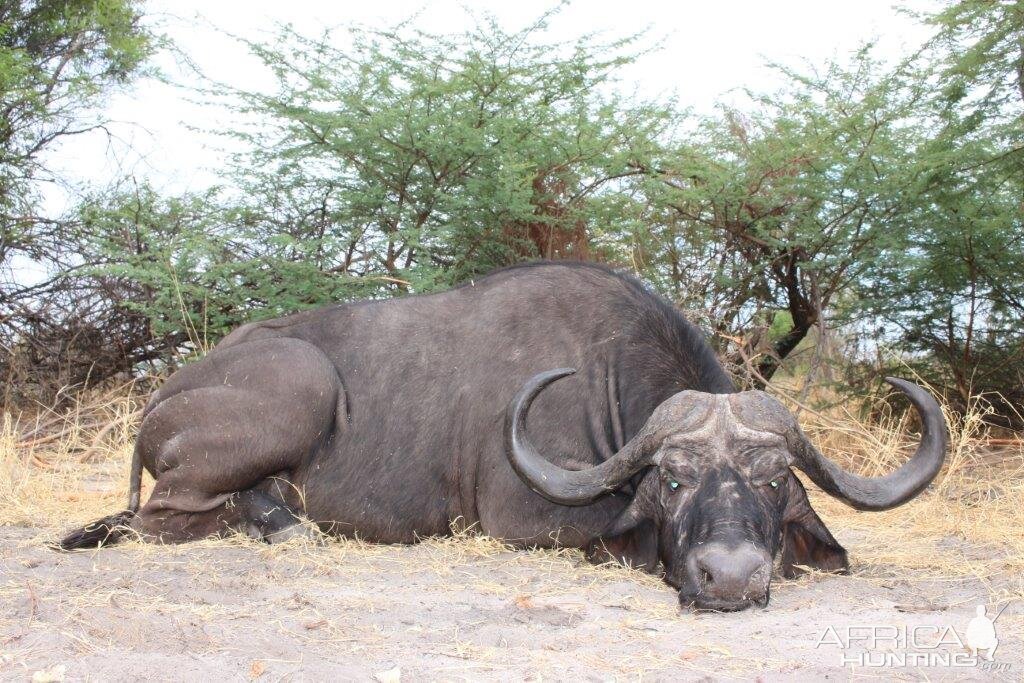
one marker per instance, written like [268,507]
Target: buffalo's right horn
[567,487]
[895,488]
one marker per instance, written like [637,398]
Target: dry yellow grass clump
[62,467]
[59,469]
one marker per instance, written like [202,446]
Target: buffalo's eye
[774,483]
[673,484]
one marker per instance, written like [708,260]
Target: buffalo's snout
[724,578]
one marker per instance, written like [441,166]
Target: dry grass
[68,466]
[58,470]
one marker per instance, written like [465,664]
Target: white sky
[709,48]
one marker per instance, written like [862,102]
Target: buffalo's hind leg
[262,409]
[258,514]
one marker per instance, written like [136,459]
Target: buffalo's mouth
[706,603]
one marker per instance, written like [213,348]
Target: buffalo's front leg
[268,518]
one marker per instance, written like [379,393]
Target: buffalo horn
[567,487]
[895,488]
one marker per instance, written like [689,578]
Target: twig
[97,440]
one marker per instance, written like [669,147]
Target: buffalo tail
[112,528]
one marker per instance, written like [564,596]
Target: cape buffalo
[411,417]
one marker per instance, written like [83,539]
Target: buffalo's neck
[644,376]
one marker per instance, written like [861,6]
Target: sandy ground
[447,609]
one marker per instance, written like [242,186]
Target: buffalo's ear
[632,516]
[636,547]
[806,541]
[630,538]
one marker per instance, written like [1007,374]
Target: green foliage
[403,163]
[882,203]
[978,48]
[195,267]
[415,161]
[951,296]
[58,60]
[783,208]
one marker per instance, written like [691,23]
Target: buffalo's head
[719,489]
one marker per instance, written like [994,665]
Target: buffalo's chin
[704,603]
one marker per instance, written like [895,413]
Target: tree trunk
[780,349]
[805,315]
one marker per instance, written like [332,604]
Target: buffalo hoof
[307,531]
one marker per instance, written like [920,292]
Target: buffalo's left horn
[895,488]
[567,487]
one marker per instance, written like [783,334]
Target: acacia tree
[955,297]
[770,217]
[401,162]
[415,161]
[978,49]
[58,60]
[404,162]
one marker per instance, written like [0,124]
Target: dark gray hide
[386,419]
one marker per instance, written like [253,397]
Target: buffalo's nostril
[733,573]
